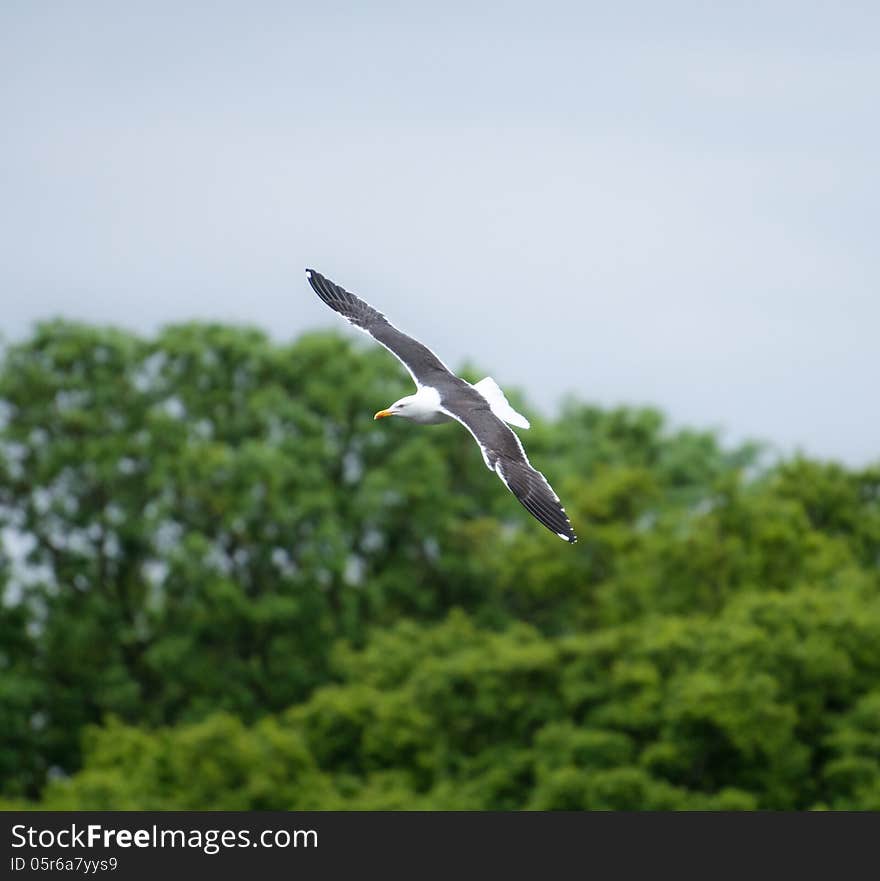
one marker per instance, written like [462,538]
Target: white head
[423,406]
[407,407]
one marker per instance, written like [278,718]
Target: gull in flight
[440,395]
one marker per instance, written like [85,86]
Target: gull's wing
[423,365]
[504,454]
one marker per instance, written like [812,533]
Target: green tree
[226,587]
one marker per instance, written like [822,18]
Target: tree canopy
[224,587]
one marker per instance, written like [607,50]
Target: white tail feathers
[499,404]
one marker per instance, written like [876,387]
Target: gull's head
[404,407]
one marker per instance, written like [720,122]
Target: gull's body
[440,396]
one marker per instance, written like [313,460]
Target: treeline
[225,587]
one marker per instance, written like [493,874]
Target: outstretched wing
[423,365]
[536,496]
[504,454]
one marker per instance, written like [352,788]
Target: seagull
[481,408]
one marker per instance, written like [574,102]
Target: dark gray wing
[504,454]
[423,365]
[536,496]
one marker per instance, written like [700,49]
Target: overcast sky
[673,204]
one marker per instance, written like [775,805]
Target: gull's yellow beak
[382,414]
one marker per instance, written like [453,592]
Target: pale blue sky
[672,203]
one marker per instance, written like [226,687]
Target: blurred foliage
[225,587]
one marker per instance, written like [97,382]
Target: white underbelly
[430,418]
